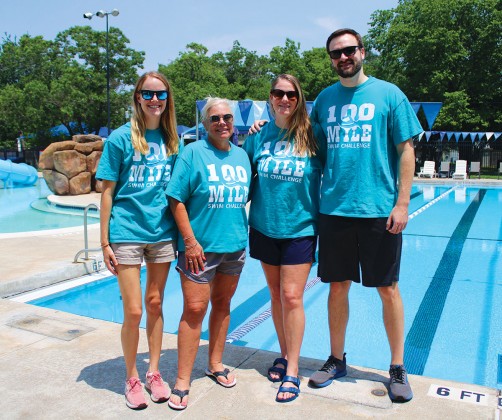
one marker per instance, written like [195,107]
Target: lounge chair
[429,169]
[475,168]
[444,169]
[460,170]
[500,170]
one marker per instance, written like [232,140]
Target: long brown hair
[167,119]
[299,121]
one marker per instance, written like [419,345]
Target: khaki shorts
[132,253]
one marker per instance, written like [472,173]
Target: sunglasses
[279,94]
[347,52]
[149,94]
[226,118]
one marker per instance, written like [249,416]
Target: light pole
[102,14]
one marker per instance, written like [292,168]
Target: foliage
[47,83]
[445,51]
[241,74]
[435,50]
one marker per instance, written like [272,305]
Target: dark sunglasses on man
[148,95]
[347,52]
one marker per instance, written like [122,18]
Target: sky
[163,28]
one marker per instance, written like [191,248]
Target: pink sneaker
[134,396]
[158,389]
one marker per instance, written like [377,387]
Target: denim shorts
[226,263]
[132,253]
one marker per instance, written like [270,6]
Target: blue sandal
[275,369]
[291,390]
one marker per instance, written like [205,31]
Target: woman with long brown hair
[283,219]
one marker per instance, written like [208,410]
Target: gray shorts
[132,253]
[227,263]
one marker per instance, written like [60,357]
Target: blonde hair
[299,122]
[167,119]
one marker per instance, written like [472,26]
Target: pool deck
[57,364]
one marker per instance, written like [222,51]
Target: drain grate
[379,393]
[49,327]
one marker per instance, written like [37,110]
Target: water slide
[17,173]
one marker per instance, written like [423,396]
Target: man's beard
[346,74]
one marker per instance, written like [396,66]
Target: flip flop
[279,370]
[180,394]
[216,376]
[291,390]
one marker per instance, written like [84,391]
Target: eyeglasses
[279,94]
[228,118]
[347,52]
[160,94]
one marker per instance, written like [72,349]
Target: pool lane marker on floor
[421,334]
[240,332]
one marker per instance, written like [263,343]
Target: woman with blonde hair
[136,223]
[283,219]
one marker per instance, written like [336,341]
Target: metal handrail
[86,236]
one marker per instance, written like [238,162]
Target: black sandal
[275,369]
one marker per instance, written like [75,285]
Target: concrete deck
[56,364]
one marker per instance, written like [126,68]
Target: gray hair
[211,102]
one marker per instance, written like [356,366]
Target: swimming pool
[25,209]
[451,281]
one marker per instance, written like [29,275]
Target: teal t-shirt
[140,211]
[214,186]
[361,127]
[285,192]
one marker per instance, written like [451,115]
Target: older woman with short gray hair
[208,192]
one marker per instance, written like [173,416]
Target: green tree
[83,54]
[193,75]
[443,50]
[246,72]
[47,83]
[25,59]
[319,73]
[288,59]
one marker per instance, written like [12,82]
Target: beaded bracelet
[105,245]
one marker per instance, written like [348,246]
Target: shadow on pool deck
[57,364]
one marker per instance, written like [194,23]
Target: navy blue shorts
[352,247]
[277,252]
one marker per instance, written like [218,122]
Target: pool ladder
[86,250]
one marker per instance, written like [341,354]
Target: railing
[86,249]
[488,153]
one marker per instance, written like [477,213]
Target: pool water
[25,209]
[451,281]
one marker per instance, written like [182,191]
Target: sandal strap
[180,393]
[223,373]
[282,361]
[293,379]
[289,389]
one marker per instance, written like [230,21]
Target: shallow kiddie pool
[26,209]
